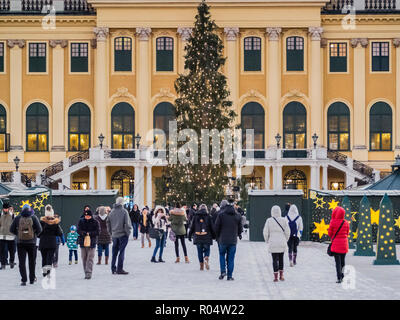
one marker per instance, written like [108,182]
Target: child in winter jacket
[72,244]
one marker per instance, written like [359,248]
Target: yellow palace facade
[319,86]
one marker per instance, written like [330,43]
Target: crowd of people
[224,223]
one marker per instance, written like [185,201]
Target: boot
[187,259]
[76,261]
[3,267]
[149,244]
[70,263]
[12,265]
[106,258]
[291,259]
[99,262]
[142,245]
[281,275]
[153,259]
[177,260]
[206,263]
[201,266]
[275,276]
[294,258]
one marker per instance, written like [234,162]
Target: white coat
[274,236]
[292,214]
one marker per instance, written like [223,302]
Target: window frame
[79,132]
[380,50]
[123,133]
[295,44]
[28,58]
[174,54]
[371,132]
[300,34]
[70,43]
[294,132]
[338,132]
[253,115]
[113,56]
[253,34]
[4,57]
[338,42]
[164,115]
[260,50]
[38,132]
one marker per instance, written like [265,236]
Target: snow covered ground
[313,277]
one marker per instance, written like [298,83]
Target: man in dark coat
[134,214]
[26,242]
[228,227]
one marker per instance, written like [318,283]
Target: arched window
[380,127]
[294,126]
[123,181]
[252,54]
[37,127]
[122,126]
[294,54]
[163,113]
[3,128]
[295,179]
[122,54]
[78,127]
[253,117]
[338,127]
[165,54]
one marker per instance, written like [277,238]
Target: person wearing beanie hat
[276,235]
[7,239]
[48,211]
[72,244]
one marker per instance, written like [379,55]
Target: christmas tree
[386,246]
[202,103]
[364,238]
[347,208]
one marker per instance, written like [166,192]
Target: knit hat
[26,208]
[120,201]
[88,213]
[48,211]
[223,203]
[6,205]
[73,228]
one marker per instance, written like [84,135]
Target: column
[325,177]
[101,177]
[58,148]
[15,71]
[315,90]
[360,151]
[91,177]
[396,43]
[267,177]
[149,186]
[277,171]
[232,65]
[66,181]
[143,83]
[350,180]
[101,82]
[238,172]
[273,84]
[138,193]
[314,183]
[184,34]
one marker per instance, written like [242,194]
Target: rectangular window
[380,56]
[252,54]
[1,56]
[165,54]
[79,57]
[37,57]
[294,54]
[123,54]
[338,57]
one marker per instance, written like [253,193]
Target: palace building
[318,82]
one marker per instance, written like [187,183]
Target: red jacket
[340,244]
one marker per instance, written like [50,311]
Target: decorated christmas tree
[347,207]
[364,236]
[386,245]
[202,103]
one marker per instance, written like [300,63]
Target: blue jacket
[72,240]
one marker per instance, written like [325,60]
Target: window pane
[31,124]
[84,124]
[42,123]
[344,141]
[300,124]
[32,142]
[128,124]
[333,142]
[386,141]
[258,140]
[344,123]
[42,142]
[2,142]
[117,124]
[289,141]
[128,141]
[3,124]
[300,141]
[84,142]
[375,141]
[74,124]
[289,123]
[73,142]
[117,141]
[333,123]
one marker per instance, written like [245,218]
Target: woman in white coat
[296,230]
[276,235]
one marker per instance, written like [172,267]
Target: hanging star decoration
[397,224]
[321,228]
[333,204]
[355,234]
[24,203]
[374,216]
[44,196]
[353,216]
[319,202]
[38,204]
[313,194]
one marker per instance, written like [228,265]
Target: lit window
[123,54]
[79,127]
[294,126]
[380,121]
[380,56]
[338,127]
[122,126]
[37,119]
[338,57]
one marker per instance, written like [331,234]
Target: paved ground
[312,278]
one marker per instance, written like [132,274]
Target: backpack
[293,226]
[25,229]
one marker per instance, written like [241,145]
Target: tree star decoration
[321,228]
[319,203]
[374,216]
[24,203]
[333,204]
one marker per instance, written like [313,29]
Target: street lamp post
[137,138]
[278,140]
[101,139]
[16,161]
[315,138]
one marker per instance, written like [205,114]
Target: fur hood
[177,212]
[50,220]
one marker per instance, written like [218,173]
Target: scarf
[103,217]
[145,220]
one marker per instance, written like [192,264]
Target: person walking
[228,227]
[214,212]
[88,231]
[177,220]
[104,240]
[144,226]
[59,240]
[48,238]
[338,232]
[160,223]
[134,215]
[120,227]
[296,230]
[202,231]
[72,244]
[7,239]
[276,235]
[26,227]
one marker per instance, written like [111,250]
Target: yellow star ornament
[38,204]
[333,204]
[397,224]
[374,216]
[321,228]
[319,203]
[24,203]
[45,196]
[353,216]
[355,234]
